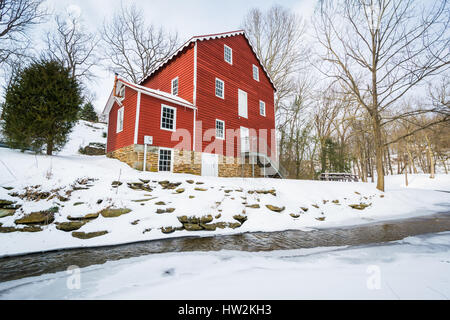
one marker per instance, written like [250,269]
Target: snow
[59,172]
[414,268]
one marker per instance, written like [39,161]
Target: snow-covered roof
[209,37]
[148,91]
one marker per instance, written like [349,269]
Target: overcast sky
[187,17]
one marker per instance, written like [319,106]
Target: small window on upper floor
[220,88]
[175,86]
[255,73]
[228,54]
[119,127]
[220,129]
[262,108]
[121,92]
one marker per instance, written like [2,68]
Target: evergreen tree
[88,113]
[41,107]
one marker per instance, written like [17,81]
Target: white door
[245,140]
[210,164]
[242,101]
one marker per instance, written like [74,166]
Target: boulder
[112,213]
[88,235]
[208,226]
[70,226]
[167,229]
[240,218]
[360,206]
[192,227]
[234,225]
[93,149]
[40,217]
[6,212]
[206,219]
[274,208]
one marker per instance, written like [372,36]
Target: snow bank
[416,268]
[327,203]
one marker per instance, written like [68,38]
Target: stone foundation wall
[184,161]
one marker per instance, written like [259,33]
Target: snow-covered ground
[325,204]
[413,268]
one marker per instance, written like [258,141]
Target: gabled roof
[209,37]
[148,91]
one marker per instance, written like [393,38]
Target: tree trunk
[378,152]
[49,147]
[431,157]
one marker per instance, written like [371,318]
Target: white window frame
[120,117]
[171,158]
[223,88]
[264,104]
[225,47]
[245,113]
[223,130]
[255,67]
[174,118]
[122,92]
[178,86]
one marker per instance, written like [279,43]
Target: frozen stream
[17,267]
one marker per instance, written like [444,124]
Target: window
[255,73]
[175,86]
[119,127]
[168,118]
[242,104]
[220,88]
[165,159]
[262,108]
[220,129]
[228,54]
[122,92]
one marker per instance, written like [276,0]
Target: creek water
[17,267]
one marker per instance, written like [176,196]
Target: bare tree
[276,36]
[16,18]
[381,49]
[73,46]
[134,48]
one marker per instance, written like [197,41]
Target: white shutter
[242,101]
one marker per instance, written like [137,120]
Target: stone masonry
[184,161]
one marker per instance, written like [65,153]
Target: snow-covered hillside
[70,200]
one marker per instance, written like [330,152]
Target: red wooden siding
[210,65]
[239,75]
[150,124]
[126,136]
[182,67]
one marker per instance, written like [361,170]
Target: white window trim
[253,72]
[121,110]
[260,101]
[223,88]
[178,86]
[246,110]
[171,158]
[231,54]
[223,125]
[174,118]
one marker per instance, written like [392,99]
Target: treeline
[363,86]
